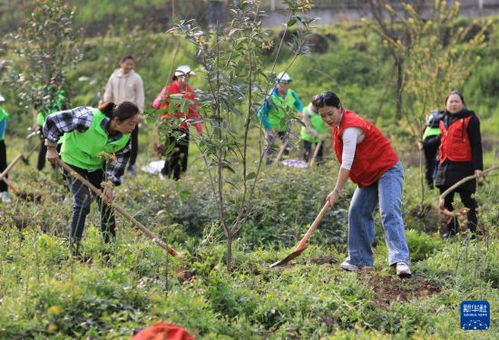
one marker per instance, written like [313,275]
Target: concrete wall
[331,11]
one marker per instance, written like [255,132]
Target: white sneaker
[4,197]
[353,268]
[403,270]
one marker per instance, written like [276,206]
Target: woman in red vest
[368,159]
[178,119]
[460,156]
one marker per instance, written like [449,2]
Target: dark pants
[309,149]
[134,139]
[468,201]
[177,151]
[42,153]
[430,149]
[216,14]
[82,198]
[3,164]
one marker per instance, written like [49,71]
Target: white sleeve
[351,137]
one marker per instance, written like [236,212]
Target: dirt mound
[391,288]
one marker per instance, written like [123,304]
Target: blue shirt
[263,112]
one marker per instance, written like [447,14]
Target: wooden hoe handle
[119,209]
[315,224]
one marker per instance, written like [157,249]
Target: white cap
[184,70]
[2,99]
[283,77]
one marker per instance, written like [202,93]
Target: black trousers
[134,139]
[177,151]
[468,201]
[42,153]
[309,149]
[3,164]
[430,149]
[82,198]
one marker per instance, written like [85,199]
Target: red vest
[455,143]
[373,156]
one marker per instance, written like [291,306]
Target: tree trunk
[229,252]
[399,61]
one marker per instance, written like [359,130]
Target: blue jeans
[82,198]
[388,193]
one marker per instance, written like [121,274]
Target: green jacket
[3,122]
[85,149]
[431,131]
[279,108]
[316,124]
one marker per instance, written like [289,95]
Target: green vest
[85,149]
[3,115]
[316,124]
[279,108]
[431,131]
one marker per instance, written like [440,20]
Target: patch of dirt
[392,288]
[323,259]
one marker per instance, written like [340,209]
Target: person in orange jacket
[178,120]
[460,156]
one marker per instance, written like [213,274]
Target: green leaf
[251,175]
[291,22]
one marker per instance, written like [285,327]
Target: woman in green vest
[279,107]
[56,102]
[4,192]
[96,144]
[312,133]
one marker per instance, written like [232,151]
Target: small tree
[48,45]
[441,58]
[234,69]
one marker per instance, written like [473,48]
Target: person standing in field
[368,159]
[280,106]
[126,85]
[54,100]
[178,117]
[460,156]
[312,133]
[4,190]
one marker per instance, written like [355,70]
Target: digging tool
[304,241]
[461,211]
[10,166]
[11,186]
[316,152]
[279,154]
[119,209]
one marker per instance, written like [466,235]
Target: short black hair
[125,58]
[327,98]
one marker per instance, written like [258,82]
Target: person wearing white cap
[4,193]
[125,85]
[276,110]
[179,119]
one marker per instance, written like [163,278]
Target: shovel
[304,241]
[119,209]
[279,154]
[316,152]
[10,166]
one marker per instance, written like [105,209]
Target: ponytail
[107,108]
[122,112]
